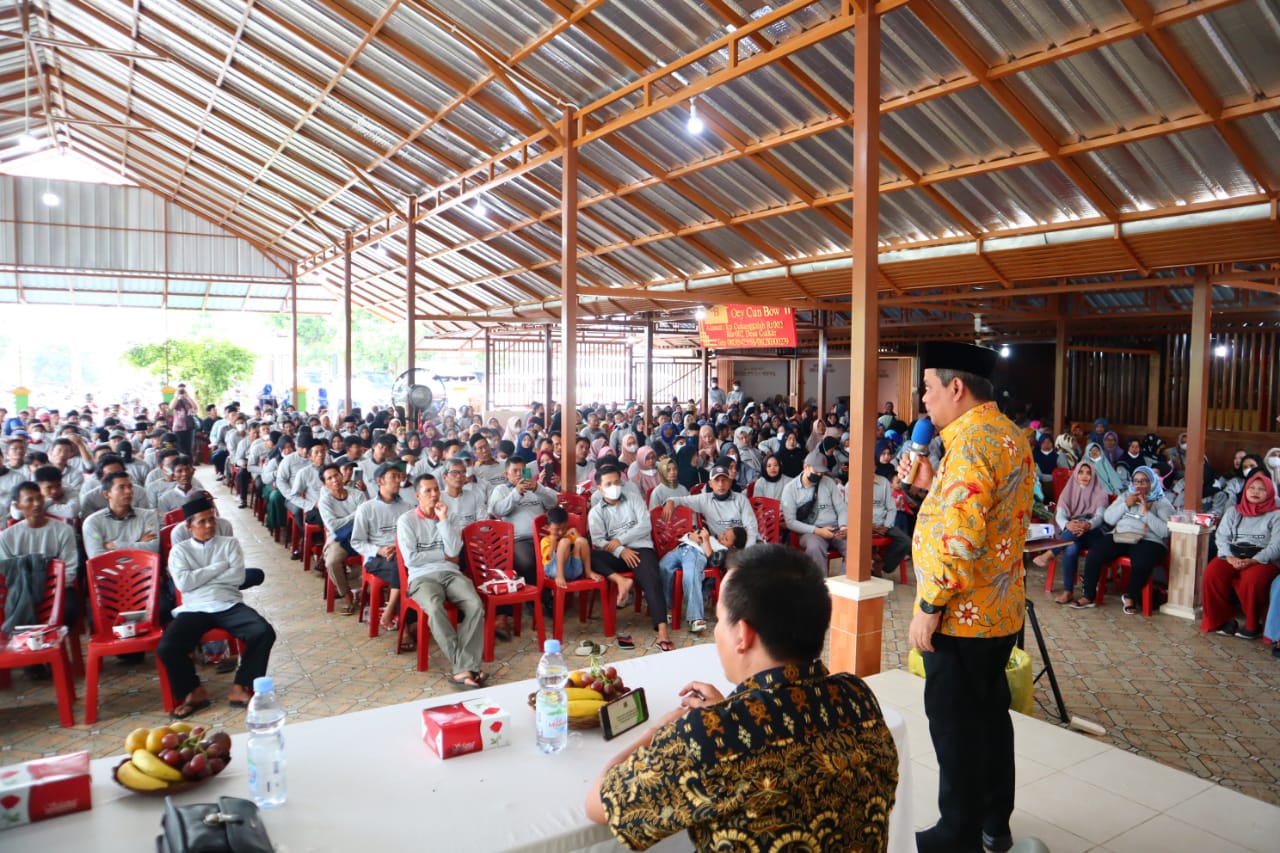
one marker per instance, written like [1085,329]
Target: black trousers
[184,632]
[647,576]
[242,483]
[219,459]
[1143,556]
[966,697]
[388,571]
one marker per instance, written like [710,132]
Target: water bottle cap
[263,684]
[551,646]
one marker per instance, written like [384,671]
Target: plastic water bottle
[552,703]
[265,748]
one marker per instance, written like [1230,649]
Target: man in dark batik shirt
[795,757]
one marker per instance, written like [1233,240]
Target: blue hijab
[1157,485]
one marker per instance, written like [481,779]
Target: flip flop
[625,641]
[239,703]
[665,645]
[192,708]
[461,684]
[587,649]
[481,678]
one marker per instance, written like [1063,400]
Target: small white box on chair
[1036,532]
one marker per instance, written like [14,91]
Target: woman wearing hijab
[627,449]
[1247,562]
[1271,464]
[1100,427]
[1142,513]
[1111,480]
[1079,518]
[668,483]
[1111,446]
[1068,450]
[772,481]
[512,433]
[791,454]
[643,472]
[750,460]
[525,447]
[1046,459]
[1132,458]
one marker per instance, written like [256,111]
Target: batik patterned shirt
[967,547]
[795,759]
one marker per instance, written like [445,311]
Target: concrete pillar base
[857,623]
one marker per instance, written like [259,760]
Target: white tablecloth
[367,782]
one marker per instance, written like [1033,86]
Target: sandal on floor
[188,709]
[587,649]
[625,641]
[1129,608]
[1064,597]
[665,645]
[481,678]
[465,682]
[1082,604]
[410,644]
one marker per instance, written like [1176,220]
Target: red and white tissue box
[471,726]
[44,788]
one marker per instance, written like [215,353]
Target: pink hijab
[1077,500]
[644,472]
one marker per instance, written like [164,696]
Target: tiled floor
[1206,705]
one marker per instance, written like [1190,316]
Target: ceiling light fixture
[1004,351]
[700,314]
[1220,350]
[479,208]
[50,198]
[695,124]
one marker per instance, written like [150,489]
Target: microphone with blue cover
[918,447]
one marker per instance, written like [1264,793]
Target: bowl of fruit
[589,690]
[172,758]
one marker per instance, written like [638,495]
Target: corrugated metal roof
[287,123]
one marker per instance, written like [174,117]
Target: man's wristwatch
[926,607]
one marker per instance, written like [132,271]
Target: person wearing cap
[967,552]
[518,501]
[208,570]
[822,526]
[373,533]
[721,508]
[121,525]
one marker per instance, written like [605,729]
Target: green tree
[211,366]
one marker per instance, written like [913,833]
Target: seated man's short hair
[782,594]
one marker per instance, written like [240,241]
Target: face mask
[1182,446]
[1133,455]
[1274,461]
[1246,473]
[468,470]
[813,478]
[612,493]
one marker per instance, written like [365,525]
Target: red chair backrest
[490,547]
[166,543]
[119,582]
[1061,476]
[666,534]
[577,522]
[751,490]
[697,488]
[173,516]
[573,504]
[768,518]
[49,610]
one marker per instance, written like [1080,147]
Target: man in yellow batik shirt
[967,551]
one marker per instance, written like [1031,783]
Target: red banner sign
[748,327]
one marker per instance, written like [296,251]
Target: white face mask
[1182,446]
[612,493]
[1274,461]
[469,469]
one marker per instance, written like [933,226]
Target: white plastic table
[366,782]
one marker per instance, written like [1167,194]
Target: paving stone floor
[1208,705]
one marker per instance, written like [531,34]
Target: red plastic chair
[407,604]
[751,489]
[48,612]
[1118,570]
[768,518]
[492,543]
[697,488]
[666,537]
[166,543]
[120,582]
[372,591]
[574,504]
[313,542]
[173,516]
[1061,476]
[885,542]
[582,586]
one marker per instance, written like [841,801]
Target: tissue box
[44,788]
[470,726]
[1038,531]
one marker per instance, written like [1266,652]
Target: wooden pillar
[346,318]
[822,364]
[568,302]
[293,331]
[858,599]
[549,367]
[1060,368]
[411,291]
[488,374]
[1197,389]
[706,382]
[648,372]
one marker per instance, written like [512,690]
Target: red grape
[197,767]
[171,741]
[610,672]
[216,765]
[187,752]
[171,757]
[197,731]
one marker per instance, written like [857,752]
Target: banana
[584,708]
[131,777]
[583,693]
[150,764]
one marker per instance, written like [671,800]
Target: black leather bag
[1245,550]
[231,825]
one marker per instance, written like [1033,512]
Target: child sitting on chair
[697,550]
[565,555]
